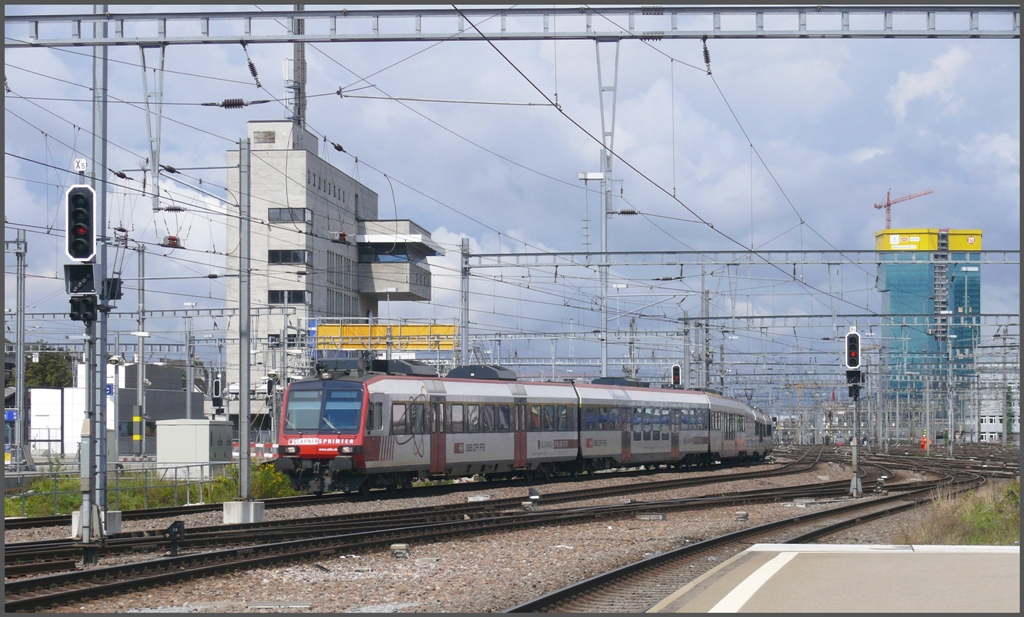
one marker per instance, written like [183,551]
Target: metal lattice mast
[608,141]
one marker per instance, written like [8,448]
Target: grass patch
[60,493]
[989,515]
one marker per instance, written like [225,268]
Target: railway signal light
[80,230]
[677,374]
[83,308]
[852,350]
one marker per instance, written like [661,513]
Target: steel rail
[204,536]
[58,589]
[560,597]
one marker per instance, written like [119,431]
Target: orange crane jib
[889,202]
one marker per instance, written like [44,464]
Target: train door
[625,418]
[438,441]
[674,432]
[519,433]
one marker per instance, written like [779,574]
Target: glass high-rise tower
[930,281]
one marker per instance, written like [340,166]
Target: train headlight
[345,450]
[289,449]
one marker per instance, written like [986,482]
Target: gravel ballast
[485,573]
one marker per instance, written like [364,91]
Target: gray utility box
[201,443]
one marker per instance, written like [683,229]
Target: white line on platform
[736,598]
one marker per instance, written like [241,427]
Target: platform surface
[846,578]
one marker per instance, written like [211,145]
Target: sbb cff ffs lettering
[80,229]
[852,350]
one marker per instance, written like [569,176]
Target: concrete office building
[317,251]
[930,281]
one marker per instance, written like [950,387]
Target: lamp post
[188,362]
[949,395]
[387,294]
[117,361]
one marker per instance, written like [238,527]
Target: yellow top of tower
[926,240]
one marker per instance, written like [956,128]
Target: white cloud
[861,155]
[994,154]
[935,82]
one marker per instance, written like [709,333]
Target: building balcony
[392,260]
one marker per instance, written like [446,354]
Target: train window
[487,423]
[373,417]
[665,423]
[534,417]
[504,413]
[472,418]
[562,419]
[574,418]
[416,423]
[456,414]
[303,410]
[399,421]
[548,418]
[434,423]
[613,419]
[590,419]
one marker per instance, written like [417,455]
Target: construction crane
[889,202]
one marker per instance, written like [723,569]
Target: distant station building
[930,281]
[318,250]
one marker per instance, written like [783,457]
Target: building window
[386,252]
[290,257]
[288,296]
[289,215]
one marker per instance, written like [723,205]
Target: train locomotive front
[320,435]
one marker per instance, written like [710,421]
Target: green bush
[136,490]
[989,515]
[265,482]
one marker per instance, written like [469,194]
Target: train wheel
[391,488]
[364,489]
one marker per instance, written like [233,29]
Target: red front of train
[320,435]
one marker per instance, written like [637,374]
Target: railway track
[58,589]
[305,500]
[638,586]
[55,550]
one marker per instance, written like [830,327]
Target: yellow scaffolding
[403,337]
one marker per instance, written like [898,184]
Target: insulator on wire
[707,54]
[169,169]
[233,104]
[120,174]
[337,147]
[255,75]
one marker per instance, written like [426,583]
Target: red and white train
[352,430]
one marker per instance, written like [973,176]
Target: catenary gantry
[647,23]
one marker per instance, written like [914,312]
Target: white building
[317,250]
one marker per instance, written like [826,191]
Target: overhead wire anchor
[252,66]
[707,54]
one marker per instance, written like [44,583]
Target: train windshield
[324,407]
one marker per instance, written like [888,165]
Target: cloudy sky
[834,124]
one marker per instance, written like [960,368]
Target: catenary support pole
[99,174]
[22,450]
[139,416]
[244,357]
[464,302]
